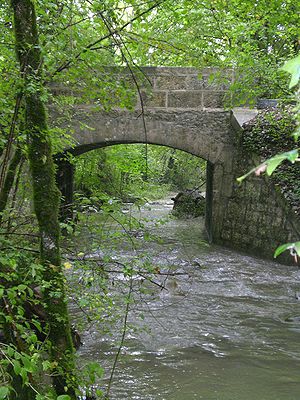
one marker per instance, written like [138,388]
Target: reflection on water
[226,328]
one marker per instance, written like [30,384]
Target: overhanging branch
[116,31]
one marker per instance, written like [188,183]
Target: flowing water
[226,326]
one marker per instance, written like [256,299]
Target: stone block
[252,230]
[207,82]
[237,238]
[213,99]
[196,82]
[185,99]
[153,99]
[173,70]
[177,82]
[142,81]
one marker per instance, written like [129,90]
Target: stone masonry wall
[159,87]
[185,88]
[258,218]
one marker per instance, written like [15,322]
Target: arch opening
[134,171]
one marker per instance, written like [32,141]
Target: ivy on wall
[270,133]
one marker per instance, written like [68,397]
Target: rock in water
[189,204]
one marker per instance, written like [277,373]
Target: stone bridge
[183,108]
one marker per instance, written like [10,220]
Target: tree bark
[9,180]
[65,182]
[46,196]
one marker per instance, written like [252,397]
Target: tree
[45,198]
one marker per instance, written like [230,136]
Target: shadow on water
[228,328]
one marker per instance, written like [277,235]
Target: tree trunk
[65,182]
[46,196]
[9,180]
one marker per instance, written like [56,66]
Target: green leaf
[17,367]
[24,375]
[94,367]
[292,155]
[46,365]
[296,134]
[4,391]
[64,397]
[294,248]
[282,248]
[297,248]
[273,163]
[28,365]
[21,287]
[10,351]
[293,67]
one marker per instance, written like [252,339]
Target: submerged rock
[189,203]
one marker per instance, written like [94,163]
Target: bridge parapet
[154,87]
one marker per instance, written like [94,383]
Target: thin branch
[162,287]
[72,24]
[107,36]
[19,248]
[19,234]
[122,340]
[134,36]
[119,42]
[10,138]
[15,191]
[125,229]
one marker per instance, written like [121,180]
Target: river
[226,326]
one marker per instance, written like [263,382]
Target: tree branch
[110,34]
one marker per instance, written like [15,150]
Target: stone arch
[206,134]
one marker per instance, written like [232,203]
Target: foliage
[253,38]
[271,164]
[24,334]
[75,39]
[271,132]
[293,67]
[132,172]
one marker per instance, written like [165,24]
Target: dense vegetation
[48,42]
[271,133]
[128,173]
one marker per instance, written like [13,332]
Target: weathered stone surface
[166,82]
[185,99]
[213,99]
[155,99]
[253,216]
[206,82]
